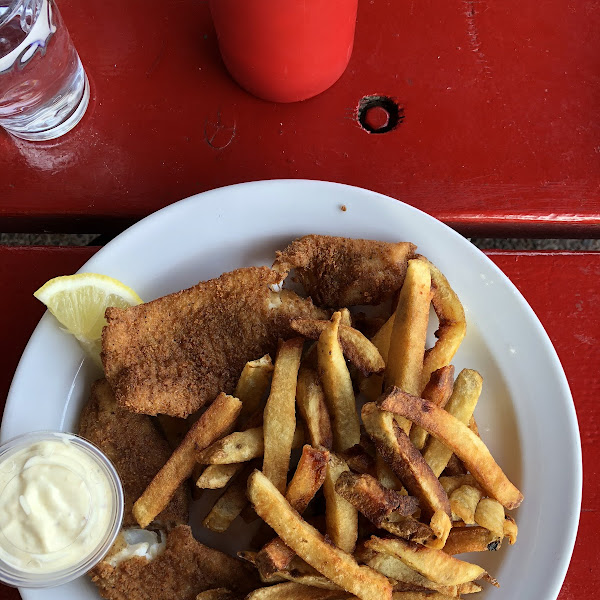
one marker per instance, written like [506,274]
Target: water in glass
[44,90]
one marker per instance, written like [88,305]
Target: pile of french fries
[383,496]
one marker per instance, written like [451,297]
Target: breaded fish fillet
[135,447]
[183,570]
[175,354]
[336,271]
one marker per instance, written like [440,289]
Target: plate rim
[560,570]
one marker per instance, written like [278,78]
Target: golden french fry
[407,345]
[250,390]
[408,528]
[235,448]
[451,483]
[301,572]
[471,539]
[473,426]
[272,558]
[291,590]
[241,446]
[510,529]
[296,566]
[316,580]
[310,357]
[490,514]
[382,338]
[252,386]
[308,478]
[345,318]
[468,588]
[359,460]
[231,503]
[310,474]
[341,516]
[371,386]
[385,475]
[460,439]
[440,524]
[372,499]
[225,510]
[438,390]
[337,385]
[452,325]
[311,546]
[311,404]
[217,420]
[464,501]
[436,565]
[395,569]
[279,421]
[216,594]
[218,476]
[408,464]
[461,405]
[356,347]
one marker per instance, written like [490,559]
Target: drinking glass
[44,90]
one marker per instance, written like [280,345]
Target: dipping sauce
[57,505]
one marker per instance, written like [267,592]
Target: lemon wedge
[80,301]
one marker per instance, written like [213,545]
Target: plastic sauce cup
[100,473]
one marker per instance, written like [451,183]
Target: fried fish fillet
[175,354]
[336,271]
[184,569]
[135,447]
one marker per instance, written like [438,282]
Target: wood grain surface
[500,129]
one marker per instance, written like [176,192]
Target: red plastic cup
[285,50]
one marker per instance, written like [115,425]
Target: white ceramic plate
[525,414]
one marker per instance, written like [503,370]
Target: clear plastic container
[17,577]
[44,90]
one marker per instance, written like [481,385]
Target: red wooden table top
[562,288]
[501,129]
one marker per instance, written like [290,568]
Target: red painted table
[561,287]
[498,135]
[500,132]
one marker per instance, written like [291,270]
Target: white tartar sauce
[55,506]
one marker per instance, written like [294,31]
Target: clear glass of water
[44,90]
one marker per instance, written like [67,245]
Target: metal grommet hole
[379,114]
